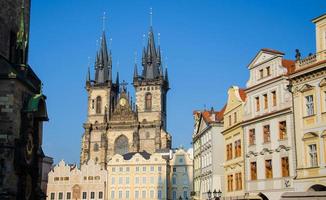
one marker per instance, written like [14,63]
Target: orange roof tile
[289,65]
[243,94]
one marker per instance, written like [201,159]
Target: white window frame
[310,105]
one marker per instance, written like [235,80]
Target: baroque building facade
[233,143]
[268,126]
[308,84]
[116,125]
[22,108]
[208,146]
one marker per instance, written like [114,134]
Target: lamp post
[216,195]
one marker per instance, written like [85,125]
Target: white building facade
[268,127]
[208,147]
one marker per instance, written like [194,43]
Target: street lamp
[216,195]
[180,198]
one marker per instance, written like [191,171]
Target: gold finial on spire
[151,16]
[103,20]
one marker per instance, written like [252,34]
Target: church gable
[263,56]
[123,109]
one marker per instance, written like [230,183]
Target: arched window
[148,101]
[98,104]
[121,145]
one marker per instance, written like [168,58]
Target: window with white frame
[310,105]
[313,155]
[112,194]
[127,194]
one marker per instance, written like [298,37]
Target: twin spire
[151,62]
[103,63]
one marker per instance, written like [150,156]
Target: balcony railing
[311,59]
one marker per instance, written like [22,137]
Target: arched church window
[98,104]
[148,101]
[121,145]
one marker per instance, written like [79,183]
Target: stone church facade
[117,125]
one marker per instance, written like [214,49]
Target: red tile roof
[208,115]
[289,65]
[242,94]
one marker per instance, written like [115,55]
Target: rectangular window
[127,194]
[112,180]
[237,148]
[60,195]
[261,73]
[310,105]
[274,98]
[265,101]
[152,193]
[185,195]
[229,151]
[137,169]
[144,169]
[313,155]
[120,180]
[137,180]
[143,194]
[230,120]
[152,180]
[159,168]
[252,137]
[235,117]
[52,196]
[100,195]
[253,170]
[92,195]
[159,194]
[152,168]
[267,134]
[257,104]
[120,194]
[127,169]
[84,195]
[282,130]
[268,169]
[230,183]
[144,180]
[238,181]
[112,194]
[68,195]
[127,180]
[285,167]
[268,71]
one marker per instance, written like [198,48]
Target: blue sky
[207,44]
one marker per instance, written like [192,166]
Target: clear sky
[207,45]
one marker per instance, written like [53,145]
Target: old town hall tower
[117,125]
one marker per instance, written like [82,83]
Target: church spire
[103,62]
[151,58]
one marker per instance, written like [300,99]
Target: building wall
[69,180]
[274,106]
[145,178]
[9,24]
[181,175]
[233,136]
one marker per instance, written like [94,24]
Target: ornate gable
[123,110]
[305,88]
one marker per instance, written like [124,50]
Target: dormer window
[268,71]
[261,73]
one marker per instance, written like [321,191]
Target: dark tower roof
[151,59]
[103,63]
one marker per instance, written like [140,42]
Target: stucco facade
[308,83]
[233,143]
[208,148]
[181,174]
[268,126]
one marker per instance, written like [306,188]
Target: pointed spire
[117,79]
[166,75]
[88,77]
[135,72]
[103,62]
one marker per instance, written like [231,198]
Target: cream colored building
[208,144]
[233,144]
[309,98]
[68,182]
[268,126]
[137,176]
[181,174]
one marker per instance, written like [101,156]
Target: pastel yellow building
[309,103]
[233,141]
[137,176]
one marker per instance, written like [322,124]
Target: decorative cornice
[282,147]
[266,150]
